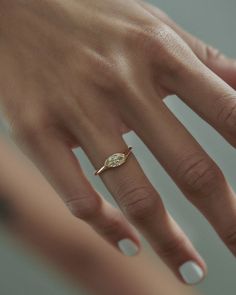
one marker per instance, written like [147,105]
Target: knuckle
[105,67]
[231,117]
[199,176]
[139,203]
[227,113]
[106,74]
[84,207]
[205,52]
[210,53]
[150,38]
[163,47]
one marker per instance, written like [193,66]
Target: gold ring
[114,161]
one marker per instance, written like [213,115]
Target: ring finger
[143,206]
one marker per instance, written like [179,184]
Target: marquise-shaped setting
[115,160]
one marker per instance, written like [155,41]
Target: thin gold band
[115,160]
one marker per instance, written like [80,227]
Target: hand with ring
[81,73]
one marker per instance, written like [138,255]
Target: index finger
[215,101]
[209,96]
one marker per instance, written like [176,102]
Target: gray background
[213,21]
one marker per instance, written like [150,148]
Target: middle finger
[143,206]
[196,174]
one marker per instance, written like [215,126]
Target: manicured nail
[127,247]
[191,272]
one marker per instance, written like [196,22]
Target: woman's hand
[80,73]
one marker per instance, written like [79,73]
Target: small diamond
[115,160]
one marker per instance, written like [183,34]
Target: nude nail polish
[127,247]
[191,272]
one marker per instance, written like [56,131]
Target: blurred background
[214,22]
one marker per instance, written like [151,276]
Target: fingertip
[192,273]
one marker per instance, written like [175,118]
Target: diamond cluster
[115,160]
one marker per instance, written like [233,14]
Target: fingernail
[127,247]
[191,272]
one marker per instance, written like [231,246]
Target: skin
[87,71]
[68,245]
